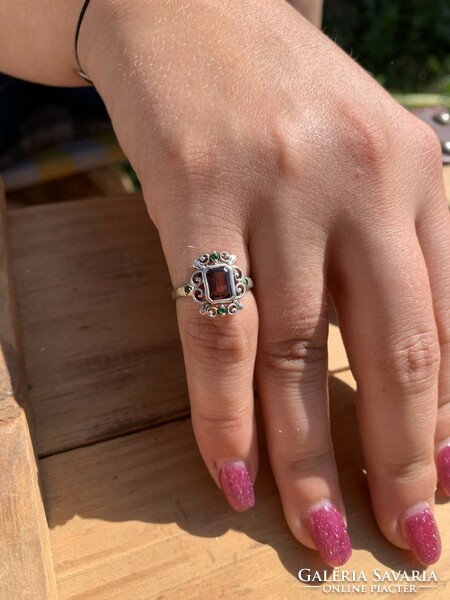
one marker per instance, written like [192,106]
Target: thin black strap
[77,35]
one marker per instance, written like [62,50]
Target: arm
[38,45]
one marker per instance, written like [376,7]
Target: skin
[252,132]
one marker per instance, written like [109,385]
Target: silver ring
[217,283]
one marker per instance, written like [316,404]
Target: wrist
[104,36]
[114,50]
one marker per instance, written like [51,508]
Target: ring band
[217,283]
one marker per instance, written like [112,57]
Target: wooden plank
[337,357]
[101,342]
[26,566]
[139,517]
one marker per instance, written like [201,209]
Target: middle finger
[291,372]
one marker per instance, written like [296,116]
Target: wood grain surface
[26,566]
[100,336]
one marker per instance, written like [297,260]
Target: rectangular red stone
[220,284]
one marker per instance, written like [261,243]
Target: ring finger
[219,355]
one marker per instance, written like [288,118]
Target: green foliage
[405,44]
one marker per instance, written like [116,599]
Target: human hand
[252,132]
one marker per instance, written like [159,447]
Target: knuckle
[300,358]
[294,345]
[313,460]
[411,362]
[196,159]
[366,141]
[214,343]
[427,143]
[192,148]
[281,147]
[410,469]
[213,420]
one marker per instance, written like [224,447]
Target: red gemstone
[219,283]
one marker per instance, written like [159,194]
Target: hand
[252,132]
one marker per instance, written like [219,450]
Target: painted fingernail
[327,529]
[422,534]
[443,468]
[237,485]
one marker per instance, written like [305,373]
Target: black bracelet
[77,35]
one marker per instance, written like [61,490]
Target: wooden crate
[126,509]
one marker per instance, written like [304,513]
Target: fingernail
[443,468]
[237,485]
[422,534]
[327,529]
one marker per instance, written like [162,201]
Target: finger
[387,318]
[291,372]
[219,355]
[433,229]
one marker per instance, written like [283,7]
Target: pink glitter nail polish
[327,529]
[421,532]
[237,485]
[443,468]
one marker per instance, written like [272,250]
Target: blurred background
[404,44]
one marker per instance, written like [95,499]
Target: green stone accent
[222,310]
[214,257]
[246,282]
[187,289]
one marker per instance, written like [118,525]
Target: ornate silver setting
[217,283]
